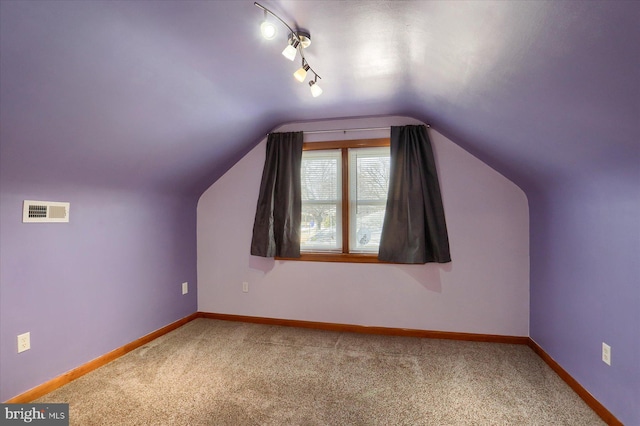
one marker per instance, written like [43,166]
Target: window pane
[321,201]
[369,173]
[320,228]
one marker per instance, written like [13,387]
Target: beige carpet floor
[211,372]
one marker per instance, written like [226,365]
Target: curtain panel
[414,228]
[276,229]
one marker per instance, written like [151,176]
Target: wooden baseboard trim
[592,402]
[407,332]
[80,371]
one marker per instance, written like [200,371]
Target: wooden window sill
[336,257]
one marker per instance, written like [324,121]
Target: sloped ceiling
[169,94]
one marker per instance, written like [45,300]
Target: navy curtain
[276,229]
[414,228]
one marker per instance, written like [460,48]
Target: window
[344,193]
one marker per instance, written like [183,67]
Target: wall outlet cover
[24,342]
[606,353]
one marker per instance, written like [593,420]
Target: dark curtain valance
[276,229]
[414,229]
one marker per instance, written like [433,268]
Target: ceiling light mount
[297,41]
[303,37]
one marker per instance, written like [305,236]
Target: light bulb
[301,74]
[315,89]
[268,30]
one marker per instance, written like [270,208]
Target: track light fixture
[297,41]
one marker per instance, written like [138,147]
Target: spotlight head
[301,74]
[290,51]
[315,89]
[268,30]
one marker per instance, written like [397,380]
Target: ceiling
[168,95]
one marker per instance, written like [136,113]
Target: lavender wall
[110,276]
[484,290]
[585,284]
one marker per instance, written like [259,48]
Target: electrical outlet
[245,287]
[606,353]
[185,288]
[24,342]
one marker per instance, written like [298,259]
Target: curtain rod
[311,132]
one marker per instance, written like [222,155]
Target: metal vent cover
[45,211]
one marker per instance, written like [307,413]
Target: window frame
[343,256]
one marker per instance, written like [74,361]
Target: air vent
[45,211]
